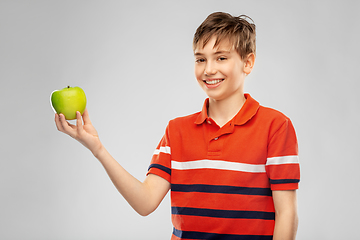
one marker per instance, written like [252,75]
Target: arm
[286,218]
[145,196]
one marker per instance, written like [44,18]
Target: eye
[200,60]
[222,58]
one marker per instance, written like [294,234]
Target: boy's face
[220,70]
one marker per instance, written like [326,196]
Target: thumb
[79,123]
[86,117]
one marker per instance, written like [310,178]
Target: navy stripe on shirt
[220,189]
[215,236]
[280,181]
[161,167]
[216,213]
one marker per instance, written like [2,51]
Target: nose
[210,69]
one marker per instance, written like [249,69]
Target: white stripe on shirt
[163,150]
[282,160]
[218,164]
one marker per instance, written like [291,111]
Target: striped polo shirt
[222,178]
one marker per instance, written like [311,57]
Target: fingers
[63,125]
[58,123]
[75,131]
[59,118]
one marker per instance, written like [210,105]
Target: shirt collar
[248,110]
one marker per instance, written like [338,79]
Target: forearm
[136,193]
[286,224]
[143,197]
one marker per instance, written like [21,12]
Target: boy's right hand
[85,133]
[143,197]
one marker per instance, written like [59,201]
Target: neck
[222,111]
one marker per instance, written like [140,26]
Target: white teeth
[213,81]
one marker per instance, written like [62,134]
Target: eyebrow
[217,52]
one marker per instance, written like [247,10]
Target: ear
[249,63]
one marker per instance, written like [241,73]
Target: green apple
[68,100]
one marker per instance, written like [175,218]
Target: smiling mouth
[213,81]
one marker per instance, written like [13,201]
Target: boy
[232,168]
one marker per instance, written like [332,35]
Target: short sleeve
[282,166]
[161,160]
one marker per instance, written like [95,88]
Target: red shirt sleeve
[161,161]
[282,166]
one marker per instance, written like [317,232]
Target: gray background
[134,60]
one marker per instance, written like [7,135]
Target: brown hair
[238,30]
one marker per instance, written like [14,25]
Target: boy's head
[223,26]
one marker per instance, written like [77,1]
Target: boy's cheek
[198,72]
